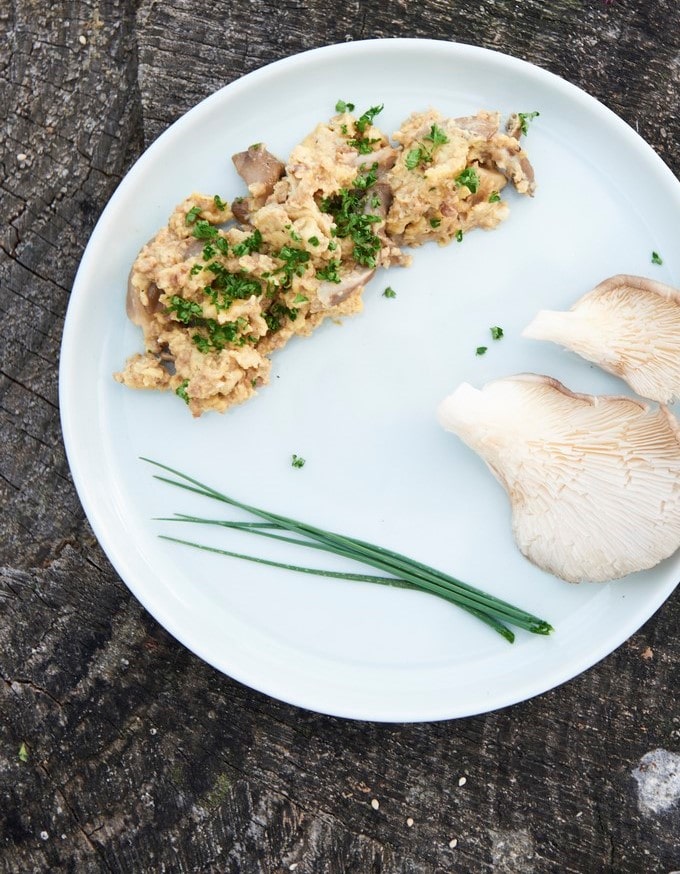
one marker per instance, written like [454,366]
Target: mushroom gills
[629,326]
[593,481]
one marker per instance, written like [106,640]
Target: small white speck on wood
[82,39]
[409,822]
[375,804]
[22,156]
[462,781]
[453,843]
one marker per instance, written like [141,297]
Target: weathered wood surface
[139,757]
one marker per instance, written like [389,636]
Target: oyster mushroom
[330,294]
[258,166]
[594,482]
[141,304]
[629,326]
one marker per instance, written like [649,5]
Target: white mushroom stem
[628,325]
[594,482]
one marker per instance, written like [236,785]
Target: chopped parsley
[367,118]
[469,178]
[424,154]
[227,287]
[481,350]
[300,298]
[459,235]
[212,336]
[222,245]
[524,119]
[185,310]
[216,336]
[330,273]
[276,312]
[364,145]
[313,241]
[494,197]
[195,269]
[297,461]
[496,332]
[295,237]
[435,222]
[193,214]
[203,230]
[389,292]
[219,203]
[181,391]
[218,243]
[23,752]
[249,245]
[348,209]
[294,264]
[343,106]
[656,258]
[366,178]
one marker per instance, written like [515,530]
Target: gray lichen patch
[658,781]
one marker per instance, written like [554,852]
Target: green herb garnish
[389,292]
[184,310]
[494,197]
[435,222]
[297,461]
[276,313]
[219,203]
[524,119]
[300,298]
[249,245]
[402,572]
[481,350]
[313,241]
[424,154]
[215,337]
[294,264]
[23,752]
[656,258]
[496,332]
[348,209]
[367,118]
[469,178]
[342,106]
[330,273]
[203,230]
[181,391]
[195,269]
[459,235]
[193,214]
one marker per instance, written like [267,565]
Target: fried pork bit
[629,326]
[447,179]
[594,482]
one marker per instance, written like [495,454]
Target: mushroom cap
[594,481]
[629,326]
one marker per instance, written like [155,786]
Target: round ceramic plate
[357,400]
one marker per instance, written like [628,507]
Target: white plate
[357,400]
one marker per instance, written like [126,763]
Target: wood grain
[139,757]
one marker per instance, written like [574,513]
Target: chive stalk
[404,572]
